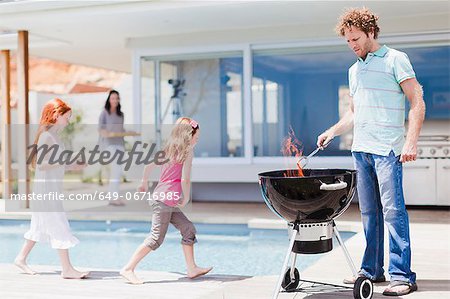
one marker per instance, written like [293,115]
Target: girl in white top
[48,219]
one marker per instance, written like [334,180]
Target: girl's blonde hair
[177,147]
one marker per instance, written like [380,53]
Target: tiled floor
[430,233]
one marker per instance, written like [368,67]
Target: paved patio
[430,230]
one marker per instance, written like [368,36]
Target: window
[432,67]
[302,88]
[207,88]
[305,91]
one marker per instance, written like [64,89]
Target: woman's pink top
[169,189]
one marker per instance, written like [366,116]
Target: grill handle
[333,187]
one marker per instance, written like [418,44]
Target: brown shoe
[352,279]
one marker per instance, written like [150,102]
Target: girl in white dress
[48,219]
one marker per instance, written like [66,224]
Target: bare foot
[22,265]
[74,274]
[197,271]
[130,277]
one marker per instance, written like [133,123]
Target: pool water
[231,249]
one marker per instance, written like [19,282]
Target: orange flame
[292,147]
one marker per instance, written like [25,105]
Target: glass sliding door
[208,88]
[432,67]
[303,88]
[267,115]
[299,89]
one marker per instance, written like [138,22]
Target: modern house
[247,71]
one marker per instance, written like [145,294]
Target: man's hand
[409,152]
[325,138]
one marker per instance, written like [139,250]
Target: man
[379,81]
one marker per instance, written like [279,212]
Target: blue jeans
[380,192]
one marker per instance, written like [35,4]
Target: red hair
[52,109]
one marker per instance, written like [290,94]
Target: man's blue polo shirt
[379,102]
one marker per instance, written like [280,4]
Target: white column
[248,117]
[137,96]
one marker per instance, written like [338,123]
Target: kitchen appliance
[425,181]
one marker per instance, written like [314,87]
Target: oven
[426,181]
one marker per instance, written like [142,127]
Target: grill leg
[293,261]
[286,261]
[347,255]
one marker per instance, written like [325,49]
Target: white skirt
[53,228]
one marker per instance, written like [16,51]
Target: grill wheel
[363,288]
[288,284]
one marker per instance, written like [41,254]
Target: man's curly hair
[361,18]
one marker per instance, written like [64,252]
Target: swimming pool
[232,249]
